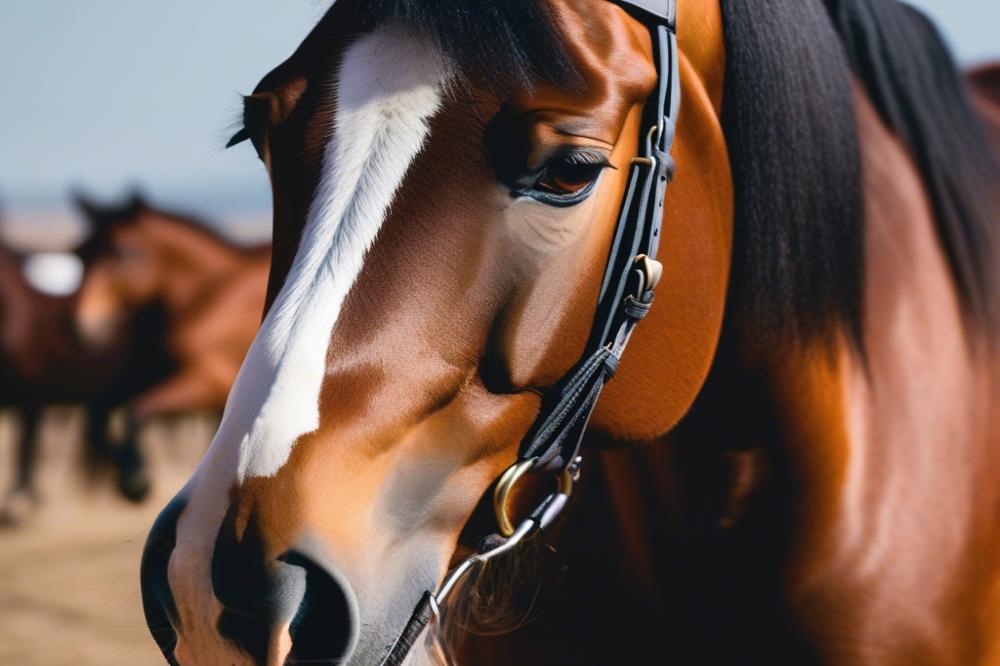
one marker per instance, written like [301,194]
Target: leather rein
[552,444]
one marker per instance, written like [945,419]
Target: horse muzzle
[274,610]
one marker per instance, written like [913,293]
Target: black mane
[911,78]
[798,262]
[788,116]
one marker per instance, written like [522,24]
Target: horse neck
[193,258]
[800,472]
[833,469]
[861,486]
[909,447]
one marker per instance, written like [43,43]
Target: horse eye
[567,178]
[570,175]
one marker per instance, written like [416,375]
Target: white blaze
[388,87]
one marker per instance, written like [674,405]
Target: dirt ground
[69,592]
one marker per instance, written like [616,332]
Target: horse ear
[265,109]
[90,209]
[137,203]
[278,94]
[238,138]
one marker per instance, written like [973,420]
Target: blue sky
[105,93]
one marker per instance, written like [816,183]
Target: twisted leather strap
[556,439]
[421,617]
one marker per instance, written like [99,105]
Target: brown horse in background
[147,331]
[205,293]
[43,362]
[797,460]
[984,83]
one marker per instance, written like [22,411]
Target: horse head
[445,203]
[123,268]
[447,181]
[138,257]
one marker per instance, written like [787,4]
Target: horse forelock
[387,87]
[510,43]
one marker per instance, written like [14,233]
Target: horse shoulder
[895,450]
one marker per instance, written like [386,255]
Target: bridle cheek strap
[631,275]
[552,445]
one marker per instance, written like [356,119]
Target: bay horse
[44,362]
[200,294]
[796,461]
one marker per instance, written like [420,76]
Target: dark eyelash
[584,156]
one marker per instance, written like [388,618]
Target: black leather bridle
[552,445]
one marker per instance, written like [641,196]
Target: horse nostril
[256,592]
[157,599]
[324,628]
[260,594]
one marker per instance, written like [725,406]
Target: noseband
[552,445]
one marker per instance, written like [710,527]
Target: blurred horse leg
[133,481]
[96,432]
[123,455]
[23,497]
[179,394]
[28,449]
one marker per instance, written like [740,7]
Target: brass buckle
[648,160]
[509,479]
[547,511]
[651,270]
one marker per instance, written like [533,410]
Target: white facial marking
[54,273]
[388,87]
